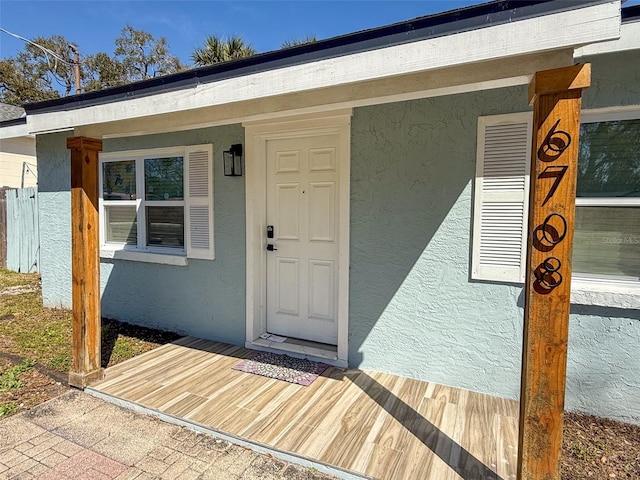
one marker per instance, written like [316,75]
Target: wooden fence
[3,229]
[23,236]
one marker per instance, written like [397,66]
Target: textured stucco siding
[205,298]
[413,309]
[603,365]
[54,210]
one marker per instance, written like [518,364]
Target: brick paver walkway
[79,437]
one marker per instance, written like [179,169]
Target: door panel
[322,159]
[287,211]
[302,199]
[321,289]
[287,279]
[322,220]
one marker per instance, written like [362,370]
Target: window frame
[139,156]
[609,114]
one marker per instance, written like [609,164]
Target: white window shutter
[501,202]
[198,170]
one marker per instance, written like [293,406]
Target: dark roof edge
[13,122]
[421,28]
[631,14]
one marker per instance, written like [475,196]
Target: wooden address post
[556,97]
[85,263]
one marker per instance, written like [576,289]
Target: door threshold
[318,352]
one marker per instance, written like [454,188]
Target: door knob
[271,247]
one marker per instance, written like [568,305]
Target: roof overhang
[629,39]
[509,42]
[14,129]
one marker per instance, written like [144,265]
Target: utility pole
[76,67]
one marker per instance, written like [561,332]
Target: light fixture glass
[233,161]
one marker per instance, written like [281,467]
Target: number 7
[556,171]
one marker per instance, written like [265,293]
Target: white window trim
[598,290]
[142,252]
[605,292]
[146,257]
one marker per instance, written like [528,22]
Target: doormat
[283,367]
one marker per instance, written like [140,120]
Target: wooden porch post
[556,97]
[85,263]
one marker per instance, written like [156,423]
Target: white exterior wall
[14,152]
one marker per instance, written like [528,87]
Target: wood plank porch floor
[372,424]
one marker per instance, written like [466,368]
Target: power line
[46,51]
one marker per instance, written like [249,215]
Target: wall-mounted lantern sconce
[233,161]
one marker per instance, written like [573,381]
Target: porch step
[243,442]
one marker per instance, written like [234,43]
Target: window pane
[119,180]
[609,159]
[163,178]
[165,227]
[607,241]
[121,224]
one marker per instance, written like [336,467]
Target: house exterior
[18,165]
[378,222]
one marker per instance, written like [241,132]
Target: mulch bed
[599,448]
[38,386]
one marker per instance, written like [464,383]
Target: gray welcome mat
[283,367]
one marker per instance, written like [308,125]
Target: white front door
[303,209]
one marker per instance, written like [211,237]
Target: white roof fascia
[629,40]
[15,131]
[567,29]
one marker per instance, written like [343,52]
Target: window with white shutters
[607,222]
[158,201]
[501,195]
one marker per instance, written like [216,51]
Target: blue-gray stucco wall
[205,298]
[414,310]
[54,212]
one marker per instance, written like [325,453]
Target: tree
[19,85]
[143,56]
[35,75]
[217,49]
[61,71]
[299,41]
[102,71]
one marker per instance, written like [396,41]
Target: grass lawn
[35,343]
[31,331]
